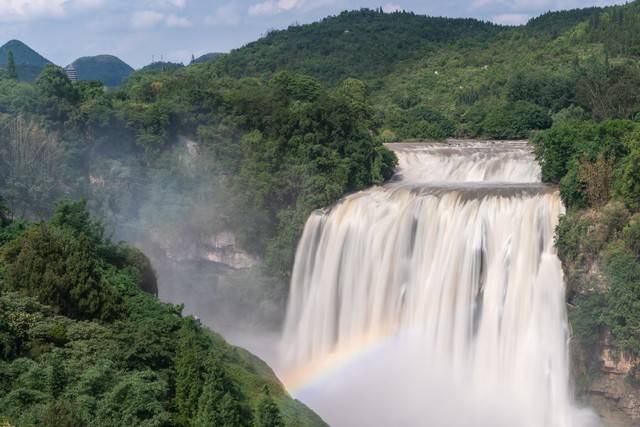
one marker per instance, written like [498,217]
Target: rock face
[222,249]
[219,248]
[615,390]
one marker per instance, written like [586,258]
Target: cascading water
[454,263]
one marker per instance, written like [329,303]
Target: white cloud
[146,19]
[510,19]
[267,7]
[24,10]
[180,4]
[274,7]
[174,21]
[226,15]
[391,7]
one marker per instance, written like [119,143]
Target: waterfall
[456,257]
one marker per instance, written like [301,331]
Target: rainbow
[298,379]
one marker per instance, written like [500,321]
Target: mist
[175,213]
[180,224]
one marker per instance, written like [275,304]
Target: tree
[628,183]
[610,91]
[137,400]
[597,178]
[60,413]
[75,217]
[268,412]
[515,120]
[62,270]
[32,169]
[56,376]
[219,404]
[58,96]
[189,370]
[12,72]
[54,82]
[4,211]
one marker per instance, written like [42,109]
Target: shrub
[61,270]
[515,120]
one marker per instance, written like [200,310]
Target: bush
[628,181]
[551,91]
[622,316]
[61,270]
[631,234]
[515,120]
[420,122]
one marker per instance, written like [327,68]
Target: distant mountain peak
[29,63]
[22,54]
[108,69]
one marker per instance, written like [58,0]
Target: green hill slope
[364,44]
[108,69]
[439,77]
[29,63]
[206,58]
[82,344]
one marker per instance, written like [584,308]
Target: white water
[442,291]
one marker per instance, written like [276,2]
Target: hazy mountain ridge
[108,69]
[29,63]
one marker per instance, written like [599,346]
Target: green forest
[283,126]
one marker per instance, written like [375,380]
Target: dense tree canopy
[82,345]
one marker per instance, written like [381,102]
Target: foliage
[62,270]
[12,72]
[220,401]
[268,412]
[30,179]
[596,166]
[147,366]
[107,69]
[610,91]
[514,120]
[363,44]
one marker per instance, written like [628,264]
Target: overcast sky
[134,30]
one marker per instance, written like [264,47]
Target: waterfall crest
[455,256]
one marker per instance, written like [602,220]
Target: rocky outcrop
[222,249]
[614,390]
[191,246]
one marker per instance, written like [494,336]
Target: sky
[139,31]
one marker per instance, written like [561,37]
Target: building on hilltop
[71,73]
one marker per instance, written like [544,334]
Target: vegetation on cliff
[270,132]
[596,166]
[81,343]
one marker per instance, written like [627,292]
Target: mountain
[433,77]
[162,66]
[108,69]
[363,44]
[29,63]
[206,58]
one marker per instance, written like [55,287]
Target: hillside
[366,44]
[29,63]
[81,343]
[162,66]
[206,58]
[439,77]
[108,69]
